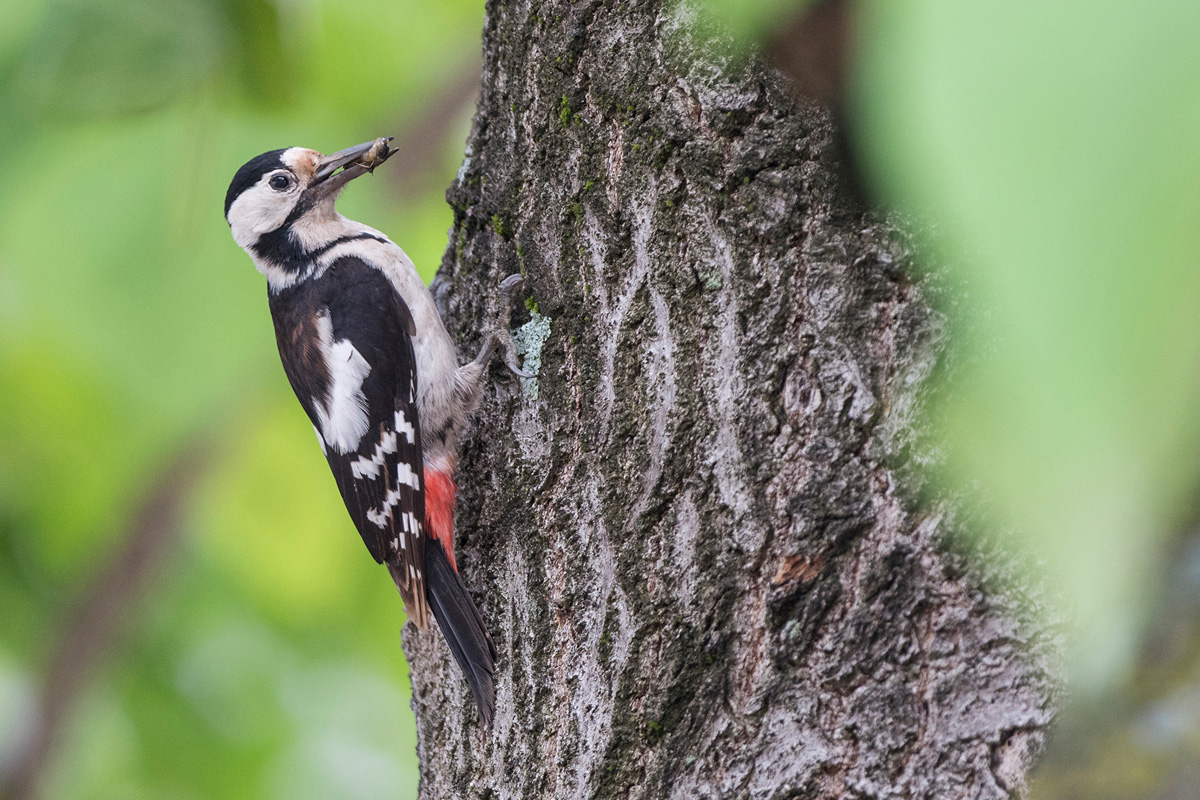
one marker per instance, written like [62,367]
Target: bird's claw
[520,373]
[500,338]
[509,285]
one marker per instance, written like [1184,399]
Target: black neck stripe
[284,250]
[350,237]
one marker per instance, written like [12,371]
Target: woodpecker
[370,361]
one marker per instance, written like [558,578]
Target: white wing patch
[344,417]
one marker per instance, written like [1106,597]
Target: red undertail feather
[439,509]
[456,614]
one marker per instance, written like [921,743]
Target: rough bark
[700,535]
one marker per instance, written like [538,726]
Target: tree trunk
[700,535]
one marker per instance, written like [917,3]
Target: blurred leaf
[298,559]
[749,20]
[1055,145]
[104,747]
[375,50]
[142,282]
[266,66]
[345,714]
[17,709]
[229,675]
[104,59]
[17,19]
[69,459]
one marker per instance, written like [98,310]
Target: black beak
[357,160]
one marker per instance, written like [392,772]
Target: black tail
[463,627]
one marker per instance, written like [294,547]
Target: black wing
[353,305]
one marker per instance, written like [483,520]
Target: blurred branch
[814,48]
[422,135]
[93,626]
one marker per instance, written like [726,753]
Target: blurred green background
[1052,150]
[173,558]
[262,656]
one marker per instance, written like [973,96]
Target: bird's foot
[499,338]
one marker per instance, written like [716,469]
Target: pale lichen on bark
[704,544]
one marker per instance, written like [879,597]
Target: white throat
[314,232]
[317,234]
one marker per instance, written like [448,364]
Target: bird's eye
[280,182]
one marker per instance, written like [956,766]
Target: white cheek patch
[343,417]
[258,210]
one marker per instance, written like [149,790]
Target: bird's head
[279,202]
